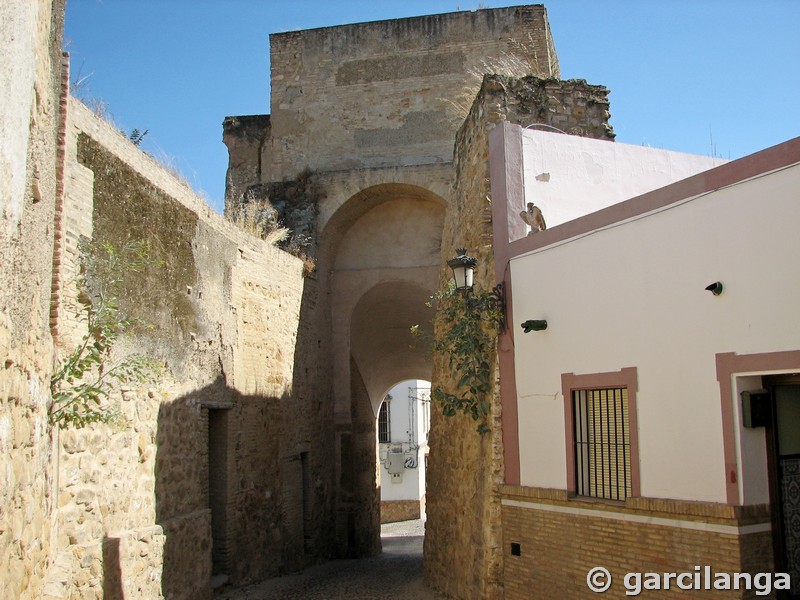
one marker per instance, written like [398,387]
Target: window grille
[384,431]
[602,443]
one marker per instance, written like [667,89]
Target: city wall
[230,439]
[231,462]
[390,93]
[371,110]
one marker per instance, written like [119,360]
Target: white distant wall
[569,176]
[632,295]
[412,438]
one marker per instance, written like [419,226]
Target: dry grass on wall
[521,60]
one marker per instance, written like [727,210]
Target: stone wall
[246,138]
[393,511]
[197,475]
[204,471]
[371,110]
[381,94]
[464,547]
[31,87]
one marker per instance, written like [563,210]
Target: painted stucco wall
[632,295]
[568,176]
[19,53]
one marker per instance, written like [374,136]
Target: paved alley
[394,575]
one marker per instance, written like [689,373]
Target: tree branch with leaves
[467,324]
[81,384]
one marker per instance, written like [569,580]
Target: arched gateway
[368,114]
[383,245]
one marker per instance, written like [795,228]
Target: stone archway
[383,246]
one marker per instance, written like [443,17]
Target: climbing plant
[467,324]
[81,384]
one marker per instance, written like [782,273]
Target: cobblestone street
[394,575]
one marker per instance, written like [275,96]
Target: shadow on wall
[309,447]
[234,497]
[218,492]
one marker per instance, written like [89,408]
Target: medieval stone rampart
[380,94]
[253,453]
[463,546]
[221,446]
[372,108]
[370,111]
[377,95]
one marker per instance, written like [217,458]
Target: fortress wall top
[391,93]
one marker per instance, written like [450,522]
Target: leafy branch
[81,384]
[467,325]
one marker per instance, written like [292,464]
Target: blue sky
[700,76]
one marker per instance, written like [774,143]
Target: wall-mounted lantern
[494,302]
[463,269]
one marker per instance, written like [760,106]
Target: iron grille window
[384,431]
[602,443]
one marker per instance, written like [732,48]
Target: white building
[402,429]
[653,425]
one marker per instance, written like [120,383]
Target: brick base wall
[399,510]
[560,539]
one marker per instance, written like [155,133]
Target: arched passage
[384,247]
[381,344]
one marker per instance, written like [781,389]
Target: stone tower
[369,112]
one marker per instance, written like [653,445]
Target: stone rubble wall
[246,139]
[393,511]
[31,81]
[463,553]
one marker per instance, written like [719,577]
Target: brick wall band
[559,540]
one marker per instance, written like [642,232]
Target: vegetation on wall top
[284,214]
